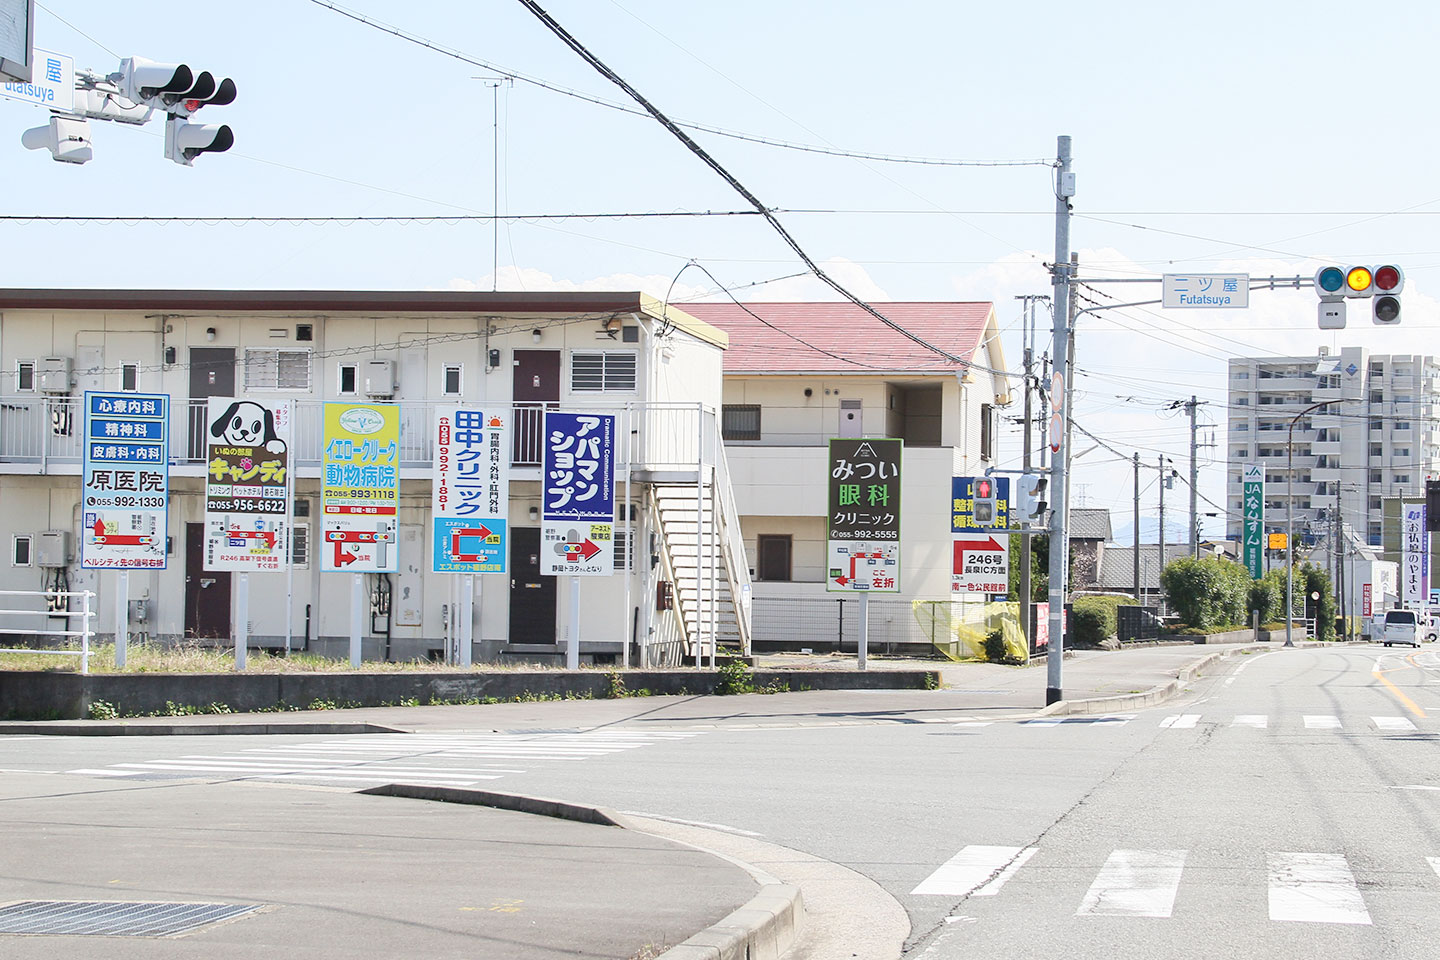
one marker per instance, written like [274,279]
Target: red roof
[843,338]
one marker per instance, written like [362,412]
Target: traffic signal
[180,91]
[184,141]
[1029,505]
[67,139]
[1359,282]
[982,509]
[1389,281]
[1432,506]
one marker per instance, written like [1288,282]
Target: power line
[426,219]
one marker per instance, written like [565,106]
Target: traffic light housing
[184,141]
[983,502]
[1432,506]
[1029,494]
[1389,281]
[67,139]
[180,91]
[1381,285]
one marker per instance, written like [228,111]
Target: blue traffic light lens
[1331,279]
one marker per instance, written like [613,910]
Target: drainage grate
[114,918]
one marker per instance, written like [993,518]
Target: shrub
[1094,619]
[733,677]
[1207,592]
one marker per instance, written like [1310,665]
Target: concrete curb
[1161,692]
[765,928]
[106,728]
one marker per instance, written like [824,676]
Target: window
[1377,424]
[25,376]
[1377,368]
[1374,476]
[1402,478]
[1377,450]
[1243,402]
[1242,452]
[304,332]
[1242,427]
[1401,452]
[772,557]
[1376,396]
[987,431]
[20,550]
[1402,425]
[277,369]
[623,536]
[1373,535]
[611,371]
[451,380]
[129,376]
[1241,375]
[1375,503]
[347,379]
[740,421]
[300,543]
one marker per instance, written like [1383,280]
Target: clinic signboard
[862,539]
[577,483]
[125,486]
[360,488]
[470,491]
[247,484]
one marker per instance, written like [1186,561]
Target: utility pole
[1340,562]
[1060,273]
[1026,616]
[1160,563]
[1135,459]
[1194,485]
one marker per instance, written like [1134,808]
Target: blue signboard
[577,482]
[962,493]
[125,487]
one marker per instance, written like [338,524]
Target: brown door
[207,592]
[536,384]
[532,597]
[212,374]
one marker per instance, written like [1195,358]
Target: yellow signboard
[1277,541]
[361,487]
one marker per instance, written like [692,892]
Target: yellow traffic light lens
[1358,278]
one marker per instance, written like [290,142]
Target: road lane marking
[971,871]
[1409,704]
[1314,888]
[1434,864]
[1415,786]
[1135,883]
[1322,723]
[1257,720]
[1393,724]
[1183,721]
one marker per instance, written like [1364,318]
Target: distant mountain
[1175,528]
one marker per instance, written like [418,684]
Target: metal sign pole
[242,619]
[357,611]
[864,627]
[572,649]
[122,618]
[467,625]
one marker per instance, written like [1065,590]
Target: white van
[1401,626]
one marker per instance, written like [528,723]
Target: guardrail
[86,613]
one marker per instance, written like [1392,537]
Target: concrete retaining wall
[28,695]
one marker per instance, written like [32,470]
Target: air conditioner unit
[52,548]
[55,374]
[379,378]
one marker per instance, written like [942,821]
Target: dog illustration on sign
[248,424]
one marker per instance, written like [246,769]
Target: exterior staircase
[708,604]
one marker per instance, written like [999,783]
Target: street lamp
[1290,516]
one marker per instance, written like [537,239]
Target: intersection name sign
[1205,290]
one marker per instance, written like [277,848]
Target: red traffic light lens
[982,489]
[1387,278]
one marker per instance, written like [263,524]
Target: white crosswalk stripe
[1300,887]
[1394,724]
[1257,720]
[435,759]
[1323,722]
[1182,722]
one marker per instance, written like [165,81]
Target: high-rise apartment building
[1375,437]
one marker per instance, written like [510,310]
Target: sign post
[125,491]
[577,526]
[862,539]
[359,497]
[1254,496]
[470,497]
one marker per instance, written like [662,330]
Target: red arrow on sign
[580,550]
[341,557]
[977,546]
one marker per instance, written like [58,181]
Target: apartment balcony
[42,435]
[1325,448]
[1296,383]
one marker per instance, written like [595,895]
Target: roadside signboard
[1415,557]
[1277,541]
[962,503]
[125,488]
[863,523]
[1367,601]
[981,566]
[52,81]
[1205,290]
[247,484]
[360,488]
[577,482]
[470,492]
[1254,495]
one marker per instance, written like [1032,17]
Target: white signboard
[871,565]
[1415,558]
[52,81]
[247,484]
[981,566]
[1205,290]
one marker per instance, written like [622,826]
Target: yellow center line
[1410,705]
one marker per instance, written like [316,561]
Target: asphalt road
[1288,807]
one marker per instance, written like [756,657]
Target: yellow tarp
[959,630]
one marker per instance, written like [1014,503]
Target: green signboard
[1254,538]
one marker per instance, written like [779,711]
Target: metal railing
[86,613]
[732,541]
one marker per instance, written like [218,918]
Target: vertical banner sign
[962,503]
[125,491]
[1415,560]
[577,480]
[1367,602]
[470,492]
[863,523]
[247,469]
[360,488]
[1254,541]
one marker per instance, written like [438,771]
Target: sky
[1266,139]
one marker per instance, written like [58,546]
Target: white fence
[86,613]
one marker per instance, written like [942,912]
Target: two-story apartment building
[798,374]
[513,354]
